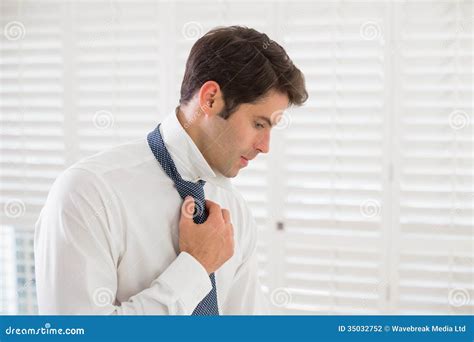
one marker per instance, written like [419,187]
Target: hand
[212,242]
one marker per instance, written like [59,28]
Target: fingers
[226,215]
[213,208]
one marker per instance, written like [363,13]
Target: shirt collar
[189,161]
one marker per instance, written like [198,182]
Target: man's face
[232,143]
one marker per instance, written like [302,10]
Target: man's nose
[263,143]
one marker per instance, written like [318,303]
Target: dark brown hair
[246,64]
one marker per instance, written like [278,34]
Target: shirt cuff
[188,280]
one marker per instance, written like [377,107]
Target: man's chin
[231,173]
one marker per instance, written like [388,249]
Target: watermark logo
[370,208]
[14,208]
[192,30]
[370,30]
[459,297]
[103,296]
[103,119]
[458,119]
[280,297]
[192,207]
[280,119]
[14,30]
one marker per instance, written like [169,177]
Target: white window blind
[364,204]
[433,251]
[117,72]
[33,144]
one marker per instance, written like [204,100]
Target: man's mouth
[243,161]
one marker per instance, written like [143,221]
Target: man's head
[236,85]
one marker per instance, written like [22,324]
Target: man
[154,226]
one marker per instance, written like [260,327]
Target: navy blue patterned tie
[208,306]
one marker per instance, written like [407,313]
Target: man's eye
[259,125]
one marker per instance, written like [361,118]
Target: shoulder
[89,180]
[117,158]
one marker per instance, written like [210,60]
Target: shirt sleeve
[77,250]
[246,296]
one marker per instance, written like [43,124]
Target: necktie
[208,306]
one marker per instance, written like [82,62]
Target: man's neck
[188,121]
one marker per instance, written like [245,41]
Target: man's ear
[210,98]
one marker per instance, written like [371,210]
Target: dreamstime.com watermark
[46,330]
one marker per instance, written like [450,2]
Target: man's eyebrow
[264,118]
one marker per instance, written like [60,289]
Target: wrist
[199,260]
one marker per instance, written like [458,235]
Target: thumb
[187,209]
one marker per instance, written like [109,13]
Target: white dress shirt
[106,241]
